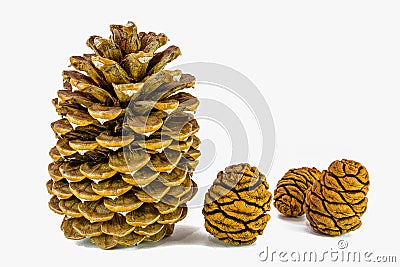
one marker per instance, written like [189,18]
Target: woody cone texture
[289,194]
[126,146]
[336,202]
[236,204]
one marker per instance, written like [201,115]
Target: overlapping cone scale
[235,206]
[126,148]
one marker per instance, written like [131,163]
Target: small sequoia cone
[236,204]
[290,191]
[126,146]
[335,202]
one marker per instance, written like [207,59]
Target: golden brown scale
[289,194]
[126,149]
[335,202]
[235,206]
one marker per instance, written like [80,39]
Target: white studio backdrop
[329,71]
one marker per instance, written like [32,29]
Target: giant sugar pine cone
[126,149]
[335,202]
[235,206]
[289,194]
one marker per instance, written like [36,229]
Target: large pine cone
[236,204]
[126,149]
[335,203]
[289,194]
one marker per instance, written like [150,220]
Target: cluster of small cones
[333,200]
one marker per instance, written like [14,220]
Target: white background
[328,69]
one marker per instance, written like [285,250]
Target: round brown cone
[124,128]
[235,206]
[336,202]
[289,194]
